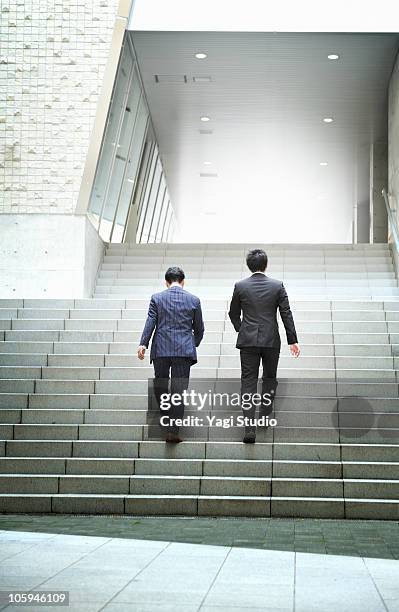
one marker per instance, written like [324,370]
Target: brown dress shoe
[174,438]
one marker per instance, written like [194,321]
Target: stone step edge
[156,496]
[177,460]
[196,459]
[170,477]
[198,498]
[206,442]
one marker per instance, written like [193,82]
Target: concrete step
[198,467]
[199,485]
[77,432]
[287,385]
[77,416]
[69,448]
[290,412]
[23,359]
[378,276]
[191,505]
[10,351]
[73,397]
[211,303]
[284,433]
[78,394]
[27,327]
[366,291]
[357,452]
[215,302]
[316,413]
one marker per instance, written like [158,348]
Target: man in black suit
[258,297]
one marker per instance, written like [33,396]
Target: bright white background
[267,15]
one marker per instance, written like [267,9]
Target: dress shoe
[173,438]
[249,438]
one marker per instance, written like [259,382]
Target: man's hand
[295,350]
[141,352]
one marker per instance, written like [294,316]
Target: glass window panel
[170,229]
[121,156]
[131,170]
[164,221]
[161,220]
[111,133]
[167,224]
[147,194]
[144,177]
[129,181]
[157,209]
[133,216]
[117,233]
[152,201]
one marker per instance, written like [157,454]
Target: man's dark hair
[174,274]
[257,260]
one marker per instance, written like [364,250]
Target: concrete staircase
[73,394]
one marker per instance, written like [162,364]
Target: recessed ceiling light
[328,119]
[333,56]
[205,118]
[207,163]
[201,55]
[323,163]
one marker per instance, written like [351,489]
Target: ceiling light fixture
[323,163]
[202,79]
[207,163]
[201,55]
[333,56]
[328,119]
[170,78]
[205,118]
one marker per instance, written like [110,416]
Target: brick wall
[52,59]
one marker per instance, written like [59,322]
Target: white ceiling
[267,98]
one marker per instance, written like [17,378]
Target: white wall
[93,255]
[48,256]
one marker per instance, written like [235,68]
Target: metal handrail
[392,221]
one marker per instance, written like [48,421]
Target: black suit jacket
[258,298]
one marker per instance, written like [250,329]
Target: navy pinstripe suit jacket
[175,318]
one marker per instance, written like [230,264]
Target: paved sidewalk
[118,574]
[325,536]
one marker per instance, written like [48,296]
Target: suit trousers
[179,370]
[250,362]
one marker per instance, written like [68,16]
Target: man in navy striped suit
[175,319]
